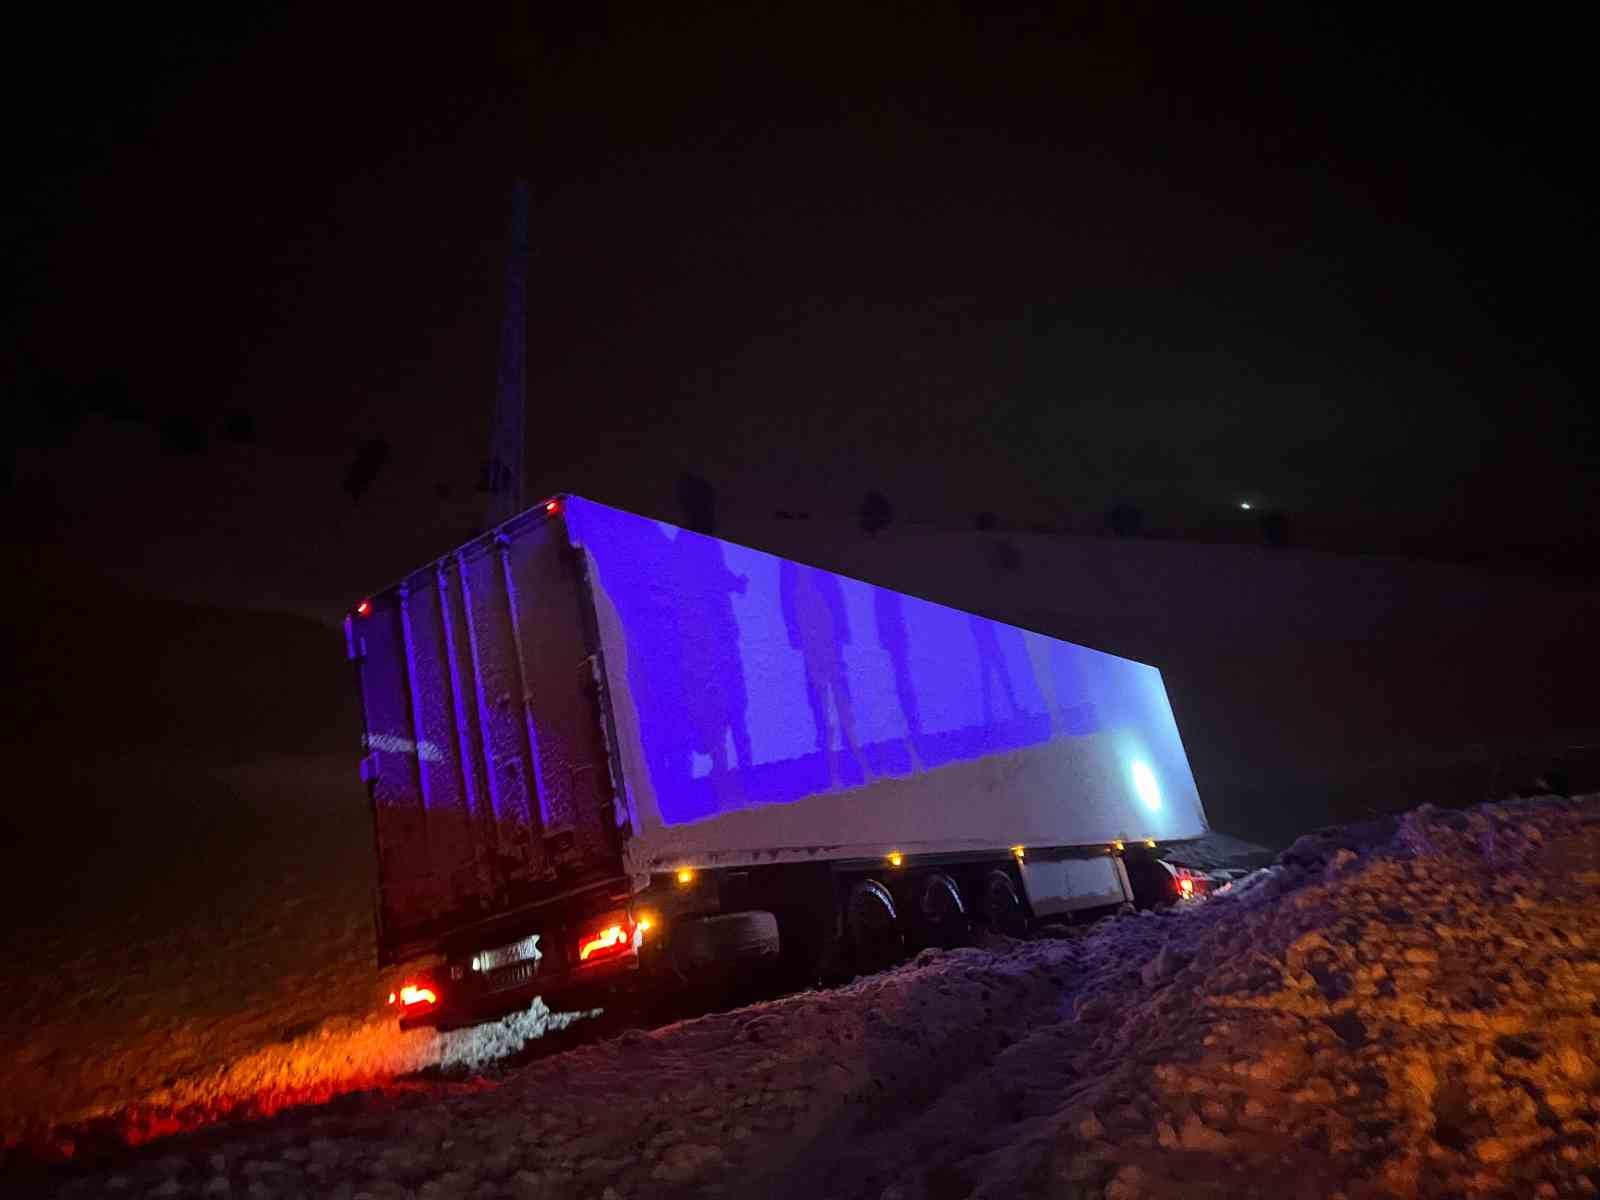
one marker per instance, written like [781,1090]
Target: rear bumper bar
[472,998]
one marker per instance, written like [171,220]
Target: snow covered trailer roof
[765,711]
[584,697]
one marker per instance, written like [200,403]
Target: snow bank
[217,955]
[341,1056]
[1405,1009]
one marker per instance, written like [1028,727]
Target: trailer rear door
[484,756]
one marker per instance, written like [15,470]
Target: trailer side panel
[771,711]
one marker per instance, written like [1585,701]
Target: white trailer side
[766,711]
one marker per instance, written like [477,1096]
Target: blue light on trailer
[725,646]
[1145,784]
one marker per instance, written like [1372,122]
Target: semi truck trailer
[607,754]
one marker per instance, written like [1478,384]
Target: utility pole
[502,475]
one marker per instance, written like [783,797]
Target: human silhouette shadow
[992,663]
[709,656]
[888,610]
[1044,678]
[642,583]
[814,613]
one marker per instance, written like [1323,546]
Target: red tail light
[608,938]
[363,608]
[412,994]
[552,507]
[1186,887]
[612,937]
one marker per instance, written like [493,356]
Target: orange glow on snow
[311,1071]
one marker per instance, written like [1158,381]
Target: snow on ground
[216,951]
[1409,1008]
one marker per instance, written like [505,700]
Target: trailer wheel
[1001,906]
[941,916]
[876,941]
[705,942]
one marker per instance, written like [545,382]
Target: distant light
[1149,843]
[363,608]
[1145,785]
[685,875]
[645,923]
[392,997]
[552,507]
[477,963]
[1244,504]
[1017,852]
[896,858]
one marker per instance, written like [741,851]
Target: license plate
[525,951]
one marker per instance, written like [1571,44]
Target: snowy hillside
[1405,1009]
[187,881]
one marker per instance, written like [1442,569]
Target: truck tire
[938,913]
[704,942]
[1002,909]
[873,928]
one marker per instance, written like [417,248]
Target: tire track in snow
[932,1091]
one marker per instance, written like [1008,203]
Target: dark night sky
[1056,258]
